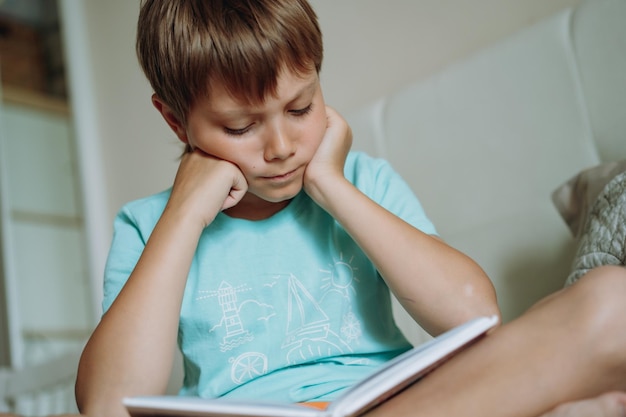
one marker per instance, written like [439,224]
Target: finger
[237,191]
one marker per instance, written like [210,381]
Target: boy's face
[272,142]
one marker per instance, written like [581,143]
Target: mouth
[281,177]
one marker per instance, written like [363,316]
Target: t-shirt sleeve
[126,248]
[131,229]
[377,179]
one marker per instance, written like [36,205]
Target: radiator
[45,385]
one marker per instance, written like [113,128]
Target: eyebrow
[243,112]
[309,87]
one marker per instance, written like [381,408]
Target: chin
[280,197]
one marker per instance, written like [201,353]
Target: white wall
[372,47]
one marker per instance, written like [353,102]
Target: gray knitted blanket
[603,238]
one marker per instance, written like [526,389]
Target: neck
[257,209]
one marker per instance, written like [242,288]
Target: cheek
[317,130]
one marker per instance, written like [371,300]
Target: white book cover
[381,385]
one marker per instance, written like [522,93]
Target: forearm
[131,350]
[438,285]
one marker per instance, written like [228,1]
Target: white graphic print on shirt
[308,333]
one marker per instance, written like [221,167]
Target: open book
[387,381]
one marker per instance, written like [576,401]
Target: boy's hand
[327,164]
[206,185]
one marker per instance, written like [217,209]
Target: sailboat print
[308,327]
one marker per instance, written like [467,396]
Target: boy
[272,254]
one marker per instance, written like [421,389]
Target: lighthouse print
[236,334]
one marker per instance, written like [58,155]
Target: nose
[278,143]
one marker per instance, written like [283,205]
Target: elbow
[480,300]
[80,387]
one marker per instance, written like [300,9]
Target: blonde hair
[185,46]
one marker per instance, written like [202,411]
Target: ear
[170,118]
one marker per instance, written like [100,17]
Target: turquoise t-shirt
[288,308]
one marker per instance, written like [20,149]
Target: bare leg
[568,347]
[611,404]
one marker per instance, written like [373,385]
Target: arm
[569,347]
[131,350]
[439,286]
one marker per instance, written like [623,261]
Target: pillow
[575,198]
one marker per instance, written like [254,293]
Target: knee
[604,289]
[601,306]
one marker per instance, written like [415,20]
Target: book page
[195,406]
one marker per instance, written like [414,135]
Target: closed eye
[237,132]
[296,112]
[302,112]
